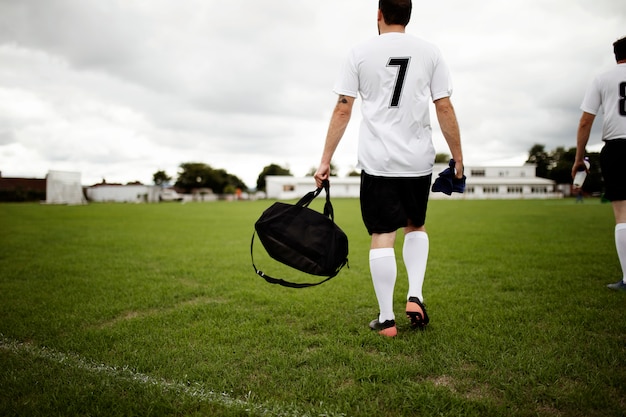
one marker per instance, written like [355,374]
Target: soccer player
[608,92]
[396,75]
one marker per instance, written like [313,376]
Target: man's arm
[582,137]
[451,133]
[336,128]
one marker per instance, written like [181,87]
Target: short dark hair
[619,48]
[396,12]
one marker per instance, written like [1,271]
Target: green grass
[121,310]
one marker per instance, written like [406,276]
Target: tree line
[194,175]
[557,164]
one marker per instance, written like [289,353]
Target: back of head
[396,12]
[619,48]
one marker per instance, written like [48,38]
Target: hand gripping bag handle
[304,202]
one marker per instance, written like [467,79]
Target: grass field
[155,310]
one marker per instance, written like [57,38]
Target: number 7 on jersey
[403,65]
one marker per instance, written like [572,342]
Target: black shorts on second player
[387,203]
[612,159]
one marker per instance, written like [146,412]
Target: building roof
[508,181]
[35,184]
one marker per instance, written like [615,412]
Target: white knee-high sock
[620,244]
[384,271]
[415,256]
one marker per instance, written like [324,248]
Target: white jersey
[397,76]
[608,91]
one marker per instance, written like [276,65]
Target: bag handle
[304,202]
[310,196]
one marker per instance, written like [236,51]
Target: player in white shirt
[397,75]
[608,93]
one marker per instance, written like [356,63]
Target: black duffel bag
[302,238]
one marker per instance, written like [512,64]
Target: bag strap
[304,202]
[281,281]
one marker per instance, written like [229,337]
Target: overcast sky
[120,89]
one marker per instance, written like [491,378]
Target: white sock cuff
[620,226]
[381,253]
[418,234]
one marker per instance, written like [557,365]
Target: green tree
[161,178]
[442,158]
[538,156]
[561,165]
[271,169]
[557,166]
[198,175]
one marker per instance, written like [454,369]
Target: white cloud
[119,89]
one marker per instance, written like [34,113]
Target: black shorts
[388,203]
[612,159]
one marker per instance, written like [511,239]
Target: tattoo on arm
[343,100]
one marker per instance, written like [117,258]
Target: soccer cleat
[416,312]
[618,286]
[386,328]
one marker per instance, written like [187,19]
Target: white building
[505,183]
[139,193]
[118,193]
[500,182]
[286,187]
[63,187]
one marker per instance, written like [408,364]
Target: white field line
[191,389]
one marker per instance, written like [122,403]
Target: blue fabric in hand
[447,183]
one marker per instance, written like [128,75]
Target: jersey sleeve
[593,99]
[347,82]
[441,84]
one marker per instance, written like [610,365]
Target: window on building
[515,190]
[477,172]
[490,190]
[469,190]
[539,190]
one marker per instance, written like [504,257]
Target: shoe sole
[417,315]
[389,331]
